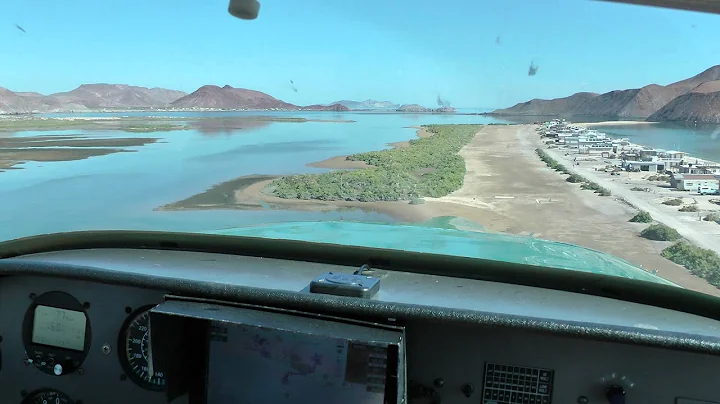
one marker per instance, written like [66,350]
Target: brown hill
[227,97]
[12,102]
[634,103]
[103,95]
[701,105]
[555,106]
[710,74]
[707,87]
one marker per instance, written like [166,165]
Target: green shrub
[428,167]
[699,261]
[638,189]
[574,178]
[660,232]
[689,208]
[673,202]
[604,192]
[417,201]
[712,217]
[642,217]
[665,178]
[593,186]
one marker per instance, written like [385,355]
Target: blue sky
[407,51]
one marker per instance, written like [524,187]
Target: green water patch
[450,222]
[429,239]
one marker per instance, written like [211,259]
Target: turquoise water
[699,141]
[121,190]
[444,240]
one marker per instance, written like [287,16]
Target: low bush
[642,217]
[574,178]
[660,232]
[699,261]
[665,178]
[712,217]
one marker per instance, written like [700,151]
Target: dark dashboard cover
[187,326]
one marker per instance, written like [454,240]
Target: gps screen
[251,364]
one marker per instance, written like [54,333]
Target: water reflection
[228,126]
[123,190]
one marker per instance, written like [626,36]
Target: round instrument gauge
[56,333]
[136,353]
[47,396]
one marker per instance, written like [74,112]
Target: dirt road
[691,234]
[507,188]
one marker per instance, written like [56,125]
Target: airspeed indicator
[136,353]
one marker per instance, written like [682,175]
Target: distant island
[694,99]
[123,97]
[367,104]
[419,108]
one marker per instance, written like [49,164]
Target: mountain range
[87,97]
[694,99]
[121,96]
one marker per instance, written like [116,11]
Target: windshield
[495,129]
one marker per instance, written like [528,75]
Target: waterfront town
[636,162]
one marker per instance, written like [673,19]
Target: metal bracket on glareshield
[351,285]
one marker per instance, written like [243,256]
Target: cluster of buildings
[685,173]
[580,139]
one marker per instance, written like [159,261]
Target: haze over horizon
[473,54]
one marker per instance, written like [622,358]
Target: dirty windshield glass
[576,134]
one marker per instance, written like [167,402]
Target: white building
[649,166]
[691,182]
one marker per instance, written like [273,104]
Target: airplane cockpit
[100,320]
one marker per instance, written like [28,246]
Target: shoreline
[696,160]
[619,123]
[146,124]
[248,193]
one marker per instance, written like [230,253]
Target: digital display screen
[59,328]
[250,364]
